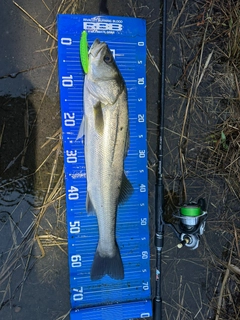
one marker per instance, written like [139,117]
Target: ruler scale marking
[127,40]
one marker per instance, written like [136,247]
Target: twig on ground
[35,21]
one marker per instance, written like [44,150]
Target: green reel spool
[191,211]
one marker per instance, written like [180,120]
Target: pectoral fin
[126,189]
[98,116]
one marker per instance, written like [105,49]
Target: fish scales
[106,130]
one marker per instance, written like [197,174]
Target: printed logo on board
[102,27]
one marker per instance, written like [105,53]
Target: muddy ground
[34,281]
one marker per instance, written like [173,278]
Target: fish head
[104,78]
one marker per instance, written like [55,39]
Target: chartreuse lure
[84,51]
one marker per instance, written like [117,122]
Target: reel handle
[185,241]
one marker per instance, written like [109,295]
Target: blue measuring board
[106,298]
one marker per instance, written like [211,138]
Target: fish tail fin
[112,266]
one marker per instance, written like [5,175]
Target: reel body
[192,219]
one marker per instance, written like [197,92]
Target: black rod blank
[159,196]
[103,10]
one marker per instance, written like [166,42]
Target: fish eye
[108,58]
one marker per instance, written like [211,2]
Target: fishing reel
[192,219]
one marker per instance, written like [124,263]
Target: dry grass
[30,244]
[206,129]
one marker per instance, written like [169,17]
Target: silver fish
[106,130]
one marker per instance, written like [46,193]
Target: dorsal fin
[126,189]
[89,206]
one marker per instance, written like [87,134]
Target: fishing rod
[103,9]
[159,205]
[191,216]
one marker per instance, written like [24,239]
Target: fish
[105,127]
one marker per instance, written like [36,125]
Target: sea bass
[106,130]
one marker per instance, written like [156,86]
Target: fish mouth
[96,47]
